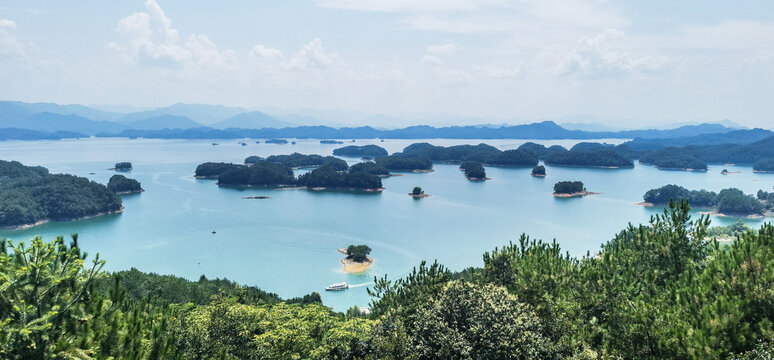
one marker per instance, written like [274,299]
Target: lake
[287,244]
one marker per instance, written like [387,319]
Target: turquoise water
[287,244]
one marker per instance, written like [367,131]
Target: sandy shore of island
[418,196]
[478,179]
[645,203]
[538,175]
[354,266]
[46,221]
[753,216]
[577,194]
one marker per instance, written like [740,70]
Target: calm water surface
[287,244]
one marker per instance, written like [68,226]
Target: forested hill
[31,194]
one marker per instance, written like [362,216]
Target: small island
[357,259]
[122,166]
[674,159]
[764,166]
[418,193]
[365,151]
[123,185]
[730,202]
[474,171]
[539,171]
[277,141]
[568,189]
[331,142]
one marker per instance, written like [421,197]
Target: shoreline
[129,192]
[47,220]
[478,179]
[645,204]
[577,194]
[419,196]
[767,214]
[539,175]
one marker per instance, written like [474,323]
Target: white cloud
[431,60]
[260,51]
[310,56]
[8,24]
[445,49]
[149,38]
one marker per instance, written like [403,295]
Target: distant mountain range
[19,120]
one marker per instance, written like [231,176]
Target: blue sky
[623,63]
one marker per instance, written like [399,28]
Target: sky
[620,63]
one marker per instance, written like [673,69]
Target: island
[357,259]
[473,170]
[418,193]
[332,174]
[483,153]
[674,159]
[298,161]
[331,142]
[728,202]
[253,159]
[369,151]
[539,171]
[123,166]
[405,164]
[370,167]
[122,185]
[211,170]
[30,195]
[568,189]
[277,141]
[600,158]
[764,165]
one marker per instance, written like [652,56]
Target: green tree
[358,253]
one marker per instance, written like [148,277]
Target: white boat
[337,286]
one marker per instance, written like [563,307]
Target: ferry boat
[337,286]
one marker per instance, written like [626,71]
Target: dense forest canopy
[123,166]
[673,158]
[276,141]
[296,160]
[728,201]
[213,169]
[328,177]
[569,187]
[331,142]
[473,169]
[370,151]
[31,194]
[602,157]
[656,291]
[482,153]
[539,170]
[253,159]
[766,165]
[122,184]
[369,167]
[262,173]
[358,253]
[401,163]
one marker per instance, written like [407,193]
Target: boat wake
[363,284]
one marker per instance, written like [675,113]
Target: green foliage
[569,187]
[253,159]
[473,169]
[730,231]
[31,194]
[673,158]
[417,191]
[360,151]
[539,170]
[734,201]
[296,160]
[482,153]
[123,166]
[276,141]
[358,253]
[326,176]
[259,174]
[603,157]
[400,163]
[667,193]
[122,184]
[764,165]
[369,167]
[214,169]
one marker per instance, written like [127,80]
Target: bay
[287,244]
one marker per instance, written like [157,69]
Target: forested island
[539,171]
[528,298]
[483,153]
[366,151]
[418,193]
[567,189]
[764,165]
[674,159]
[357,259]
[331,142]
[123,166]
[276,171]
[30,195]
[276,141]
[732,201]
[401,163]
[120,184]
[473,170]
